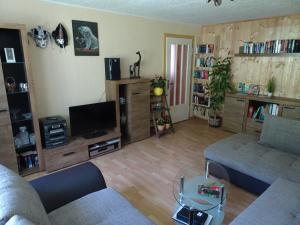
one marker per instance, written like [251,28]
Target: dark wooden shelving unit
[28,158]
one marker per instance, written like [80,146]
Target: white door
[178,73]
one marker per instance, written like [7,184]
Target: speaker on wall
[112,68]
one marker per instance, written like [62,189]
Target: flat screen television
[92,120]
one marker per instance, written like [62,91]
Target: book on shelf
[205,48]
[260,111]
[28,159]
[201,74]
[271,47]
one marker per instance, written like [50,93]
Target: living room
[152,112]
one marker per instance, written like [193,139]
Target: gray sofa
[88,202]
[269,164]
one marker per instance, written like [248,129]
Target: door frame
[171,35]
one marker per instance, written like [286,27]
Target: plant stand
[160,108]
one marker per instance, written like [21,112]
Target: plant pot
[160,127]
[270,94]
[167,125]
[215,121]
[158,91]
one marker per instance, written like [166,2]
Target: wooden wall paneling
[259,70]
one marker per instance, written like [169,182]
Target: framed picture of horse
[85,36]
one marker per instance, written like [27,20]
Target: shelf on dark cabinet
[21,120]
[25,148]
[6,63]
[17,92]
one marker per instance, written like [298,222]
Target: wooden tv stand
[76,151]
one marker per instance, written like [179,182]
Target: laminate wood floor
[144,171]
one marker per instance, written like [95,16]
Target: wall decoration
[10,55]
[60,36]
[40,36]
[134,69]
[85,35]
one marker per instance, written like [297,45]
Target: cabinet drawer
[292,112]
[232,126]
[139,130]
[57,159]
[134,89]
[254,126]
[234,109]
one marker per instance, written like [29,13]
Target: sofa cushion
[17,197]
[241,152]
[18,220]
[281,133]
[278,205]
[105,207]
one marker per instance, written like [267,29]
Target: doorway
[178,58]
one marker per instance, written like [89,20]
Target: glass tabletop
[194,189]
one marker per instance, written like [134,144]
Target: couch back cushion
[17,197]
[281,133]
[18,220]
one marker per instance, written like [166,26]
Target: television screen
[91,118]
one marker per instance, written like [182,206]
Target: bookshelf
[246,112]
[267,55]
[204,56]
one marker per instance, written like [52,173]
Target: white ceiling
[192,11]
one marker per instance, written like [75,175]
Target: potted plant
[160,124]
[167,122]
[220,83]
[158,85]
[271,86]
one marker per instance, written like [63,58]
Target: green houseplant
[220,83]
[271,86]
[158,85]
[167,122]
[160,124]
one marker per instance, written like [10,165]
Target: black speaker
[112,68]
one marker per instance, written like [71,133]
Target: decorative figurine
[60,36]
[135,68]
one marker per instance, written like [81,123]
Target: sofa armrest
[60,188]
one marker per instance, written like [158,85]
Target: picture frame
[85,37]
[10,55]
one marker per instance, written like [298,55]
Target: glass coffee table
[197,192]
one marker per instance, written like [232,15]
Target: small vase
[270,94]
[160,127]
[167,125]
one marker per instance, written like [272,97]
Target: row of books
[201,74]
[204,62]
[271,47]
[199,88]
[28,160]
[206,48]
[260,112]
[201,100]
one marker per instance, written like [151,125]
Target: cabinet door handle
[69,153]
[257,131]
[288,107]
[3,110]
[136,93]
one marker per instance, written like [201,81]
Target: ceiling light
[216,2]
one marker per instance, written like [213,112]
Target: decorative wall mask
[40,36]
[60,36]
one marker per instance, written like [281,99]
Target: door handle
[3,110]
[136,93]
[69,153]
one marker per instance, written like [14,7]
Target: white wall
[62,79]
